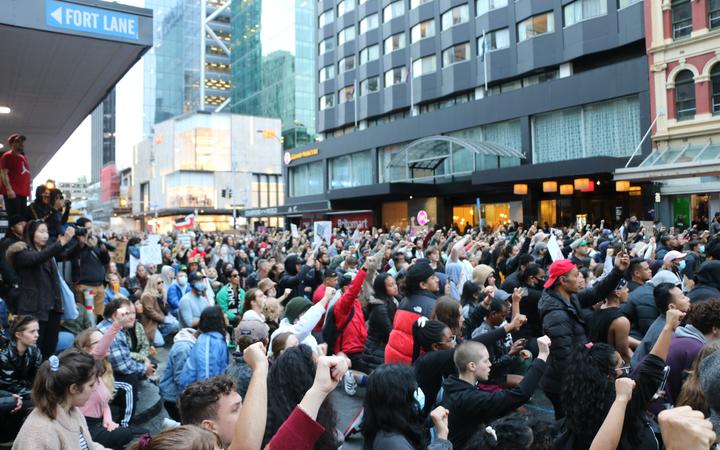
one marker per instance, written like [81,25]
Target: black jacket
[18,372]
[472,408]
[420,302]
[7,402]
[529,307]
[565,324]
[381,313]
[39,279]
[707,282]
[293,279]
[10,287]
[89,263]
[640,309]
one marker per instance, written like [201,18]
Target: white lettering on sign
[118,25]
[81,18]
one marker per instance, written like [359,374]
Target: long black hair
[508,433]
[290,377]
[390,406]
[469,291]
[379,287]
[589,390]
[212,318]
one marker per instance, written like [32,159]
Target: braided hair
[425,334]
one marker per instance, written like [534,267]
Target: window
[393,10]
[424,66]
[350,170]
[369,53]
[326,18]
[535,26]
[346,35]
[609,128]
[580,10]
[715,88]
[346,94]
[685,95]
[265,190]
[327,73]
[368,23]
[327,101]
[394,42]
[681,18]
[415,3]
[496,40]
[483,6]
[306,179]
[369,85]
[714,14]
[455,16]
[456,54]
[326,45]
[347,63]
[625,3]
[345,6]
[395,75]
[422,30]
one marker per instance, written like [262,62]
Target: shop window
[715,86]
[306,179]
[536,26]
[681,18]
[685,95]
[714,14]
[351,170]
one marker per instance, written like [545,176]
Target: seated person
[247,333]
[114,289]
[193,303]
[185,339]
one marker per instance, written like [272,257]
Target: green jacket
[222,299]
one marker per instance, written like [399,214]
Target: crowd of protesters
[449,336]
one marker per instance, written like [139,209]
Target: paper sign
[554,249]
[120,250]
[185,239]
[322,231]
[151,254]
[294,229]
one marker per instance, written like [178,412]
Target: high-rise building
[472,111]
[682,44]
[273,64]
[188,68]
[102,147]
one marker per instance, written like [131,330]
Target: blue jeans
[166,329]
[65,341]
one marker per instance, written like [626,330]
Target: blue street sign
[86,19]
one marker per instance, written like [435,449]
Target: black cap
[196,276]
[345,280]
[329,273]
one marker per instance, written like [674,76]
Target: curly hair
[390,406]
[705,315]
[692,393]
[447,311]
[290,377]
[588,391]
[199,401]
[510,433]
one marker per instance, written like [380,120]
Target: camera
[79,231]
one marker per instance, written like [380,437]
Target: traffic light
[229,193]
[223,193]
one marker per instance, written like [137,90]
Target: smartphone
[658,393]
[524,292]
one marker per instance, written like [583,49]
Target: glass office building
[273,64]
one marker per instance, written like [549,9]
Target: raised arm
[250,426]
[608,436]
[605,286]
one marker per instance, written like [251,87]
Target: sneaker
[169,423]
[349,384]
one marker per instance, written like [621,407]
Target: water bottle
[89,295]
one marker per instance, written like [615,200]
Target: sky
[67,166]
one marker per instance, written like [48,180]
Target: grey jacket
[396,441]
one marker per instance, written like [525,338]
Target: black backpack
[330,331]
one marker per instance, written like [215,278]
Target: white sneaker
[169,423]
[349,384]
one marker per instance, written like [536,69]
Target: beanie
[296,307]
[416,274]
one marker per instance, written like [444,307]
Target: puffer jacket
[565,323]
[380,323]
[399,348]
[208,358]
[18,372]
[640,309]
[40,290]
[170,382]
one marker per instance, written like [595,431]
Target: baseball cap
[16,137]
[673,254]
[330,273]
[558,269]
[583,242]
[196,276]
[345,280]
[253,328]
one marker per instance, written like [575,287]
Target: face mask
[252,254]
[182,281]
[201,248]
[211,279]
[702,249]
[419,399]
[200,286]
[682,265]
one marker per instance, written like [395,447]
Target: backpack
[330,331]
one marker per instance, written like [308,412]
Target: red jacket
[317,296]
[298,432]
[399,349]
[355,335]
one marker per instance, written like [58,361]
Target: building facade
[273,64]
[682,42]
[209,165]
[102,144]
[447,105]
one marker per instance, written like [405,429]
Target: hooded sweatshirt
[170,382]
[707,283]
[685,345]
[292,278]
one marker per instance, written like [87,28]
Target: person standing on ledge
[15,175]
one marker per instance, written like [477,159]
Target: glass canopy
[689,160]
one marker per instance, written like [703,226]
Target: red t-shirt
[18,170]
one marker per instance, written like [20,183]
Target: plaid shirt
[119,354]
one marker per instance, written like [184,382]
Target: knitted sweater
[39,432]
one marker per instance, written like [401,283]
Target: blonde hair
[272,309]
[186,437]
[83,341]
[151,287]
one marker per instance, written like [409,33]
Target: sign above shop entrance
[290,157]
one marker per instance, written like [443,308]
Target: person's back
[707,283]
[170,380]
[207,359]
[640,309]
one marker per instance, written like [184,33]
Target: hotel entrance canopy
[681,162]
[58,60]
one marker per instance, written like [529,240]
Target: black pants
[49,330]
[11,423]
[556,400]
[123,405]
[172,410]
[116,439]
[15,205]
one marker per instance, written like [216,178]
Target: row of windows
[682,17]
[685,102]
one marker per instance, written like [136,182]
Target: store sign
[321,206]
[363,221]
[86,19]
[422,218]
[290,157]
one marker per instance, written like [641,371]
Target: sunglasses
[235,275]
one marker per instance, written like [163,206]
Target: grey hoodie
[710,382]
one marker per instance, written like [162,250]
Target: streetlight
[271,134]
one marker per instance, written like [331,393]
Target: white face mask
[182,281]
